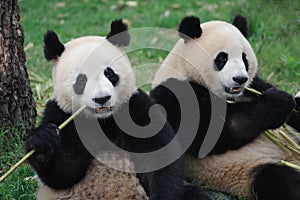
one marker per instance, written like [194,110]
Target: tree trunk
[17,106]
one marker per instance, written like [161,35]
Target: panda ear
[189,28]
[241,23]
[118,34]
[53,48]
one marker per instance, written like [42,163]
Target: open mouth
[102,110]
[233,90]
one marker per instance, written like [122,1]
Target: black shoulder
[54,114]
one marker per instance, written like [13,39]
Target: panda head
[92,71]
[221,57]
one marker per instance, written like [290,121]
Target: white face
[93,72]
[223,60]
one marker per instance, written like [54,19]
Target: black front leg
[294,118]
[246,120]
[165,183]
[60,159]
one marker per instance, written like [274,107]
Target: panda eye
[111,75]
[221,60]
[245,61]
[109,72]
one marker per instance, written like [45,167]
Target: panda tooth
[103,109]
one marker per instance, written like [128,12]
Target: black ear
[189,28]
[241,23]
[118,34]
[53,48]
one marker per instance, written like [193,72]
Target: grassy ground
[274,34]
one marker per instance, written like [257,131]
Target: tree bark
[17,106]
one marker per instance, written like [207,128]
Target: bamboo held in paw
[20,162]
[291,147]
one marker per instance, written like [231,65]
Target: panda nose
[240,79]
[102,100]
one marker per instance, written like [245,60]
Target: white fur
[194,59]
[91,55]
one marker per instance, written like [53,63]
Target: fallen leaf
[167,13]
[28,46]
[175,6]
[59,5]
[131,4]
[154,40]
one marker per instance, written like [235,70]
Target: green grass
[19,184]
[274,35]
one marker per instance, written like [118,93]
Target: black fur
[65,159]
[60,161]
[276,182]
[220,60]
[189,28]
[244,121]
[112,76]
[53,48]
[245,60]
[193,192]
[118,34]
[80,83]
[241,23]
[294,118]
[260,85]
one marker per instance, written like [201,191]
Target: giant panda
[95,71]
[217,61]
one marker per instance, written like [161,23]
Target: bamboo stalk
[72,117]
[296,151]
[289,140]
[20,162]
[277,142]
[15,166]
[253,91]
[290,165]
[291,132]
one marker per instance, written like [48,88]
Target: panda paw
[276,182]
[279,105]
[44,140]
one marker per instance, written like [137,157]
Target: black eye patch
[220,60]
[245,61]
[112,76]
[80,84]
